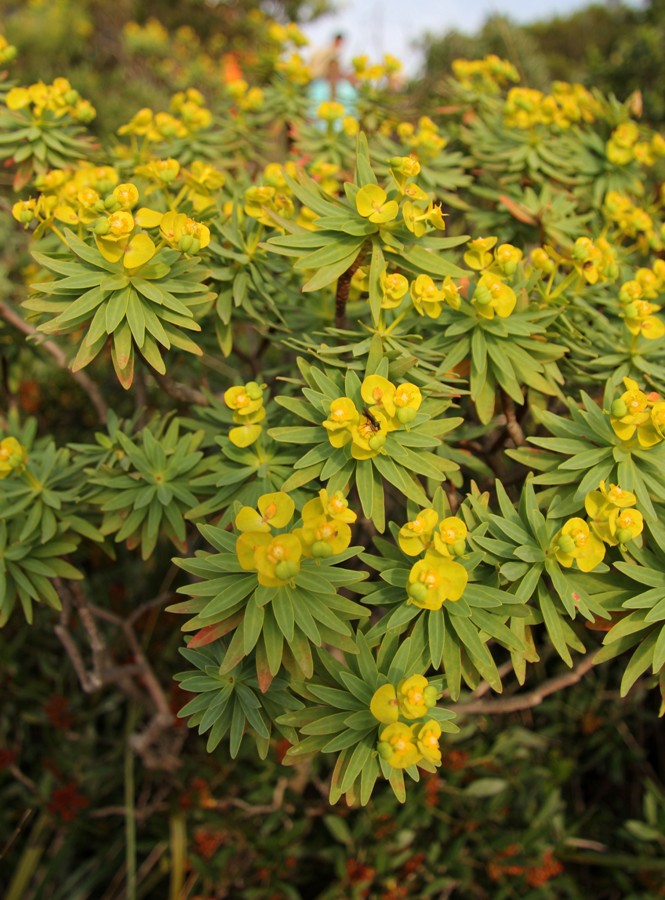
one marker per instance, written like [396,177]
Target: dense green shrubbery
[391,389]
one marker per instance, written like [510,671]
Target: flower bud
[624,535]
[321,550]
[459,548]
[482,295]
[406,415]
[101,226]
[619,409]
[185,243]
[253,390]
[418,592]
[377,441]
[286,569]
[566,543]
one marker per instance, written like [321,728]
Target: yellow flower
[435,579]
[394,288]
[427,740]
[160,171]
[626,525]
[415,697]
[244,435]
[379,392]
[407,399]
[279,561]
[275,511]
[604,506]
[479,255]
[575,543]
[658,418]
[416,536]
[325,530]
[493,296]
[450,537]
[126,195]
[383,705]
[343,414]
[372,203]
[334,506]
[13,457]
[183,233]
[330,111]
[631,416]
[244,400]
[507,257]
[639,319]
[368,435]
[397,746]
[427,298]
[17,98]
[450,292]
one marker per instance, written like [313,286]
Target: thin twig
[527,701]
[343,287]
[85,383]
[513,427]
[183,393]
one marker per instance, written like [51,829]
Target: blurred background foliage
[615,48]
[564,800]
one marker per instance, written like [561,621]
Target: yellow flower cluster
[631,221]
[247,98]
[612,518]
[485,75]
[147,38]
[285,34]
[389,407]
[436,577]
[13,457]
[565,106]
[575,542]
[363,70]
[637,311]
[428,299]
[69,196]
[246,401]
[425,141]
[640,416]
[58,98]
[325,530]
[492,296]
[624,146]
[188,115]
[261,200]
[276,558]
[612,522]
[295,69]
[595,261]
[7,51]
[401,744]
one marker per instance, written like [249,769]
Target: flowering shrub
[398,395]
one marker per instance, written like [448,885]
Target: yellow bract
[493,296]
[575,543]
[435,579]
[246,401]
[638,415]
[398,747]
[384,706]
[372,203]
[416,536]
[478,254]
[13,456]
[415,697]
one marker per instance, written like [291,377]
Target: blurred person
[328,80]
